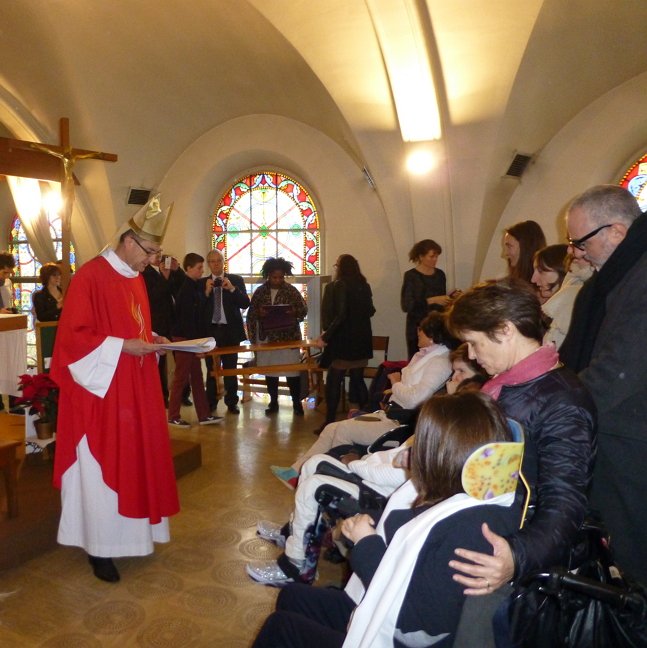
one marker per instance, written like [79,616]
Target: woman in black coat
[346,311]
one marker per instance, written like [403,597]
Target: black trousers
[294,385]
[307,617]
[223,337]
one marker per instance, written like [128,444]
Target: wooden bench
[308,364]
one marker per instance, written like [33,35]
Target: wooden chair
[381,346]
[45,336]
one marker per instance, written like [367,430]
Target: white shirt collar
[118,264]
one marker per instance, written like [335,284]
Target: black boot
[334,384]
[104,569]
[357,390]
[272,383]
[294,384]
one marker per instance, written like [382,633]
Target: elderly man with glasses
[605,345]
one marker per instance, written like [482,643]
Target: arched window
[25,279]
[635,181]
[267,214]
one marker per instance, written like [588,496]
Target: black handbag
[597,607]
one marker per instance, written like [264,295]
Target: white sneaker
[271,531]
[267,572]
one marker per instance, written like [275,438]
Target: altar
[13,351]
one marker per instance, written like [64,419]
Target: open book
[200,345]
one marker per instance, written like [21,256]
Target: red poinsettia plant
[41,392]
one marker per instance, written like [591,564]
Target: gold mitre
[150,222]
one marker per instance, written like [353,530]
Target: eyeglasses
[579,243]
[150,253]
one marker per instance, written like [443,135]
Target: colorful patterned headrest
[493,469]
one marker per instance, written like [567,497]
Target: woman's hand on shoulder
[484,573]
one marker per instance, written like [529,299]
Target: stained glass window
[25,279]
[635,181]
[267,214]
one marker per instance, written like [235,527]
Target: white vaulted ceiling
[148,80]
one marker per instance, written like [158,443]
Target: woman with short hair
[503,326]
[422,287]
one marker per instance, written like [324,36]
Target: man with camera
[226,297]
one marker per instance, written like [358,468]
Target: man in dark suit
[163,281]
[226,296]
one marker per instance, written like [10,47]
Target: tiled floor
[193,591]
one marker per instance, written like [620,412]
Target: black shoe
[104,569]
[187,402]
[298,409]
[233,409]
[272,409]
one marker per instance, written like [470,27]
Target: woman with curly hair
[265,324]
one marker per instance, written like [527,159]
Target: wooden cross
[50,162]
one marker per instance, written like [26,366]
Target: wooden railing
[308,362]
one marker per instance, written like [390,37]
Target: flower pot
[45,429]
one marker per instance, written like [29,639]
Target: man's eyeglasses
[579,243]
[150,253]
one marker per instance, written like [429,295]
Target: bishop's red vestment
[125,427]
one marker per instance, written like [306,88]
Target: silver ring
[487,584]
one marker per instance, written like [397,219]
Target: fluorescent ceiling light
[405,54]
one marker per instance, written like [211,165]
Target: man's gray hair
[214,251]
[607,204]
